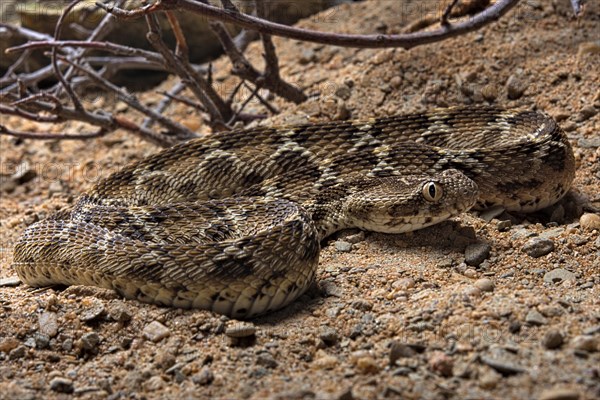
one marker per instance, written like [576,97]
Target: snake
[233,222]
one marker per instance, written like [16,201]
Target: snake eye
[432,191]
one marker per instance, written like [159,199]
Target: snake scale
[232,222]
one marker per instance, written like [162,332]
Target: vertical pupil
[432,190]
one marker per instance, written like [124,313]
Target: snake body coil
[232,222]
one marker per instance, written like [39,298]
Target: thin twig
[446,13]
[176,129]
[57,72]
[216,107]
[405,41]
[52,136]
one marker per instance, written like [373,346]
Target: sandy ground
[391,316]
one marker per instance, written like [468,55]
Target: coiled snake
[232,222]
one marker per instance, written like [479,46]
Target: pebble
[17,353]
[119,312]
[55,187]
[48,324]
[559,275]
[586,113]
[343,92]
[356,238]
[489,380]
[367,365]
[94,310]
[477,252]
[534,317]
[324,360]
[502,366]
[9,343]
[329,336]
[559,394]
[399,350]
[515,87]
[552,339]
[362,305]
[240,330]
[266,359]
[23,173]
[61,385]
[472,291]
[205,377]
[504,226]
[10,281]
[484,284]
[590,222]
[537,247]
[342,246]
[589,143]
[155,331]
[441,364]
[41,341]
[90,341]
[585,343]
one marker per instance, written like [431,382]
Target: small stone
[586,113]
[367,365]
[90,341]
[155,331]
[17,353]
[356,238]
[9,343]
[404,283]
[534,317]
[477,252]
[399,350]
[559,275]
[484,284]
[10,281]
[61,385]
[48,324]
[472,291]
[362,305]
[307,56]
[585,343]
[119,312]
[41,341]
[504,226]
[343,92]
[489,380]
[324,360]
[515,87]
[590,222]
[343,246]
[559,394]
[91,312]
[153,383]
[240,330]
[329,336]
[489,92]
[205,377]
[55,187]
[553,339]
[266,360]
[589,143]
[502,366]
[537,247]
[441,364]
[23,173]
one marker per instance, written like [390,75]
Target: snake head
[398,204]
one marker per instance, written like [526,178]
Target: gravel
[538,247]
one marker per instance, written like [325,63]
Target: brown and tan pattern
[232,222]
